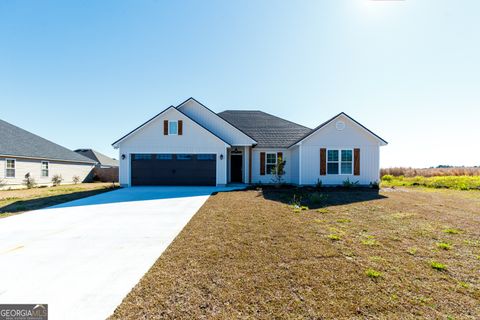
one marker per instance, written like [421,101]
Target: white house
[24,154]
[192,145]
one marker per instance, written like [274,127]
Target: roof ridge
[272,115]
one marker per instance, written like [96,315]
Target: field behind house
[448,182]
[403,253]
[431,172]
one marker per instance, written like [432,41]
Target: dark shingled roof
[98,157]
[269,131]
[16,142]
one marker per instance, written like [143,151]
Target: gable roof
[155,117]
[268,130]
[17,142]
[217,115]
[333,118]
[98,157]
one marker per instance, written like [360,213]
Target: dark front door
[236,168]
[173,169]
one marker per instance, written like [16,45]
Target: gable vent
[340,125]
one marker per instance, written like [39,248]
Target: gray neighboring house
[23,153]
[106,169]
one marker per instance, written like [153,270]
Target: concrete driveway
[84,256]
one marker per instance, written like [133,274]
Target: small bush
[444,245]
[319,184]
[56,180]
[29,181]
[387,177]
[350,184]
[296,201]
[452,231]
[334,237]
[373,273]
[76,179]
[438,266]
[375,185]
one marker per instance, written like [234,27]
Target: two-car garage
[170,169]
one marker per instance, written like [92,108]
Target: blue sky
[84,73]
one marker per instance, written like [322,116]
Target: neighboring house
[102,160]
[106,169]
[23,153]
[192,145]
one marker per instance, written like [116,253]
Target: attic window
[173,128]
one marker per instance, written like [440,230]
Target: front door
[236,167]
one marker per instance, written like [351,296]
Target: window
[204,157]
[332,162]
[347,162]
[10,172]
[167,156]
[340,161]
[271,162]
[143,157]
[184,157]
[44,168]
[172,127]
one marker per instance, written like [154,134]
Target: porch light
[221,157]
[123,157]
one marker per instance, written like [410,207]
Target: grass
[244,255]
[438,266]
[373,273]
[17,201]
[444,245]
[447,182]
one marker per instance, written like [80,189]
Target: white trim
[14,168]
[300,163]
[340,161]
[225,121]
[382,142]
[41,169]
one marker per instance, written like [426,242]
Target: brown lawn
[247,254]
[17,201]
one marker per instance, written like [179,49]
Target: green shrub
[334,237]
[347,183]
[444,245]
[76,179]
[29,181]
[438,266]
[56,180]
[373,273]
[318,198]
[452,231]
[388,177]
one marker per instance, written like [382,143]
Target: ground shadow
[317,198]
[48,201]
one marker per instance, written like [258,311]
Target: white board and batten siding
[215,123]
[151,139]
[330,137]
[268,178]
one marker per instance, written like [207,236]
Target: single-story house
[23,154]
[191,145]
[106,169]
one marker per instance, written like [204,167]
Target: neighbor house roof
[98,157]
[17,142]
[269,131]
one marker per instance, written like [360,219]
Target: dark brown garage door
[173,169]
